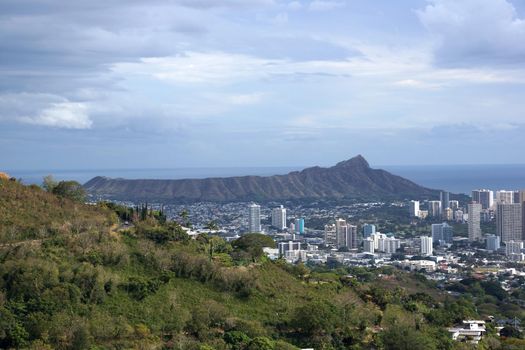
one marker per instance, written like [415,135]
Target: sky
[233,83]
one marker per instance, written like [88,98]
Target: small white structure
[471,331]
[416,265]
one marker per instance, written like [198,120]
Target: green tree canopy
[70,189]
[253,244]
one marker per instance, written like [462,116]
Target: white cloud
[475,32]
[67,115]
[294,6]
[246,99]
[325,5]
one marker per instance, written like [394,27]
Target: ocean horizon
[453,178]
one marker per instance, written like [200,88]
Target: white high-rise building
[454,205]
[426,245]
[414,208]
[377,237]
[388,245]
[254,218]
[330,235]
[474,219]
[513,247]
[279,218]
[434,208]
[505,197]
[508,222]
[483,197]
[346,234]
[368,245]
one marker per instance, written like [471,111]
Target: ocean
[453,178]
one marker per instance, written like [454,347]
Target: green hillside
[71,278]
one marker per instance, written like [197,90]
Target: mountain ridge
[348,179]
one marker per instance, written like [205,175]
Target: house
[471,331]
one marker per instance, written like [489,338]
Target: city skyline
[211,83]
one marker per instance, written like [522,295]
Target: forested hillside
[71,277]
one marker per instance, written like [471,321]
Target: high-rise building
[368,245]
[299,225]
[483,197]
[388,245]
[444,198]
[330,235]
[434,208]
[522,202]
[493,242]
[346,234]
[426,245]
[414,208]
[279,218]
[288,246]
[254,218]
[516,197]
[448,214]
[514,250]
[513,247]
[352,240]
[341,229]
[474,218]
[368,229]
[505,197]
[442,232]
[508,222]
[454,205]
[377,237]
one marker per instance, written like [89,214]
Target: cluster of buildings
[506,208]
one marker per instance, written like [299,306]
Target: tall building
[444,198]
[368,245]
[368,229]
[434,208]
[514,248]
[426,245]
[388,245]
[493,242]
[346,234]
[288,246]
[508,222]
[454,205]
[352,240]
[474,218]
[516,198]
[299,225]
[483,197]
[413,208]
[505,197]
[522,202]
[279,218]
[442,232]
[254,218]
[330,235]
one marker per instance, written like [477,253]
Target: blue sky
[204,83]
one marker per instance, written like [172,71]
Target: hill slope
[88,286]
[353,179]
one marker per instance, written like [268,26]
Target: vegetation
[72,278]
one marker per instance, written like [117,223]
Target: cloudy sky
[205,83]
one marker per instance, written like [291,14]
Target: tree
[71,190]
[405,338]
[510,332]
[253,244]
[49,183]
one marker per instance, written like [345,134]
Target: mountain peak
[356,162]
